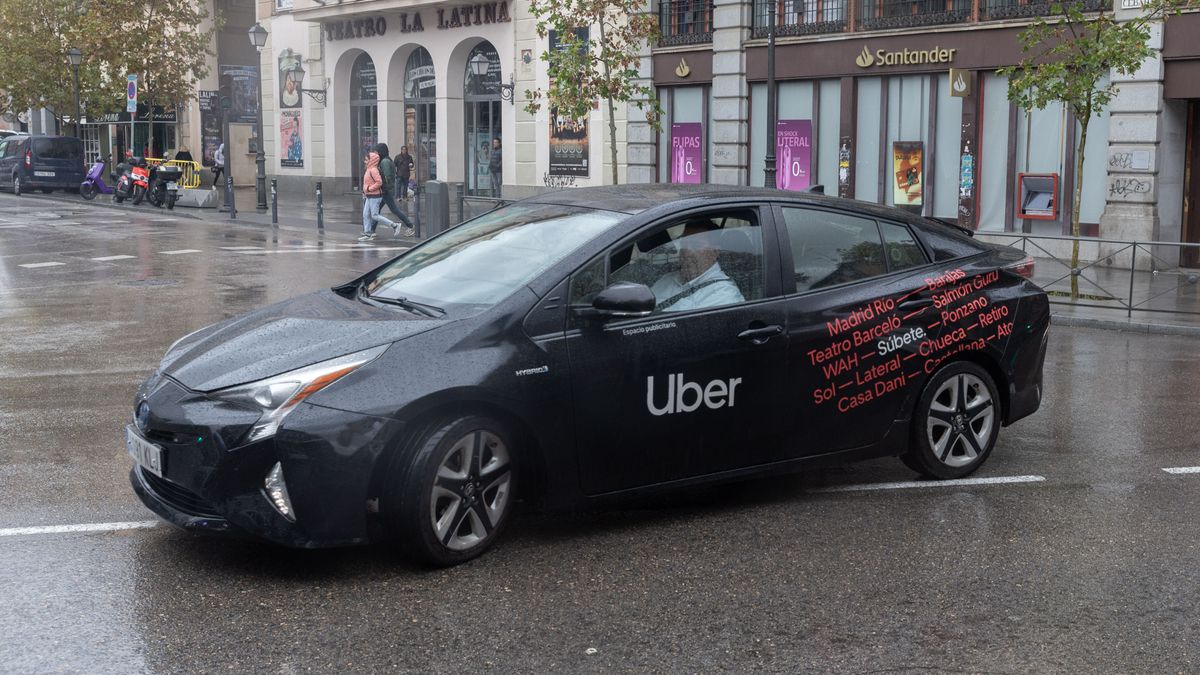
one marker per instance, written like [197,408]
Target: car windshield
[480,262]
[57,148]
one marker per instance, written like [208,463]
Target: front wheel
[171,200]
[956,422]
[87,191]
[139,193]
[449,499]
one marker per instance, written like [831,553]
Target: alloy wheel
[961,416]
[470,491]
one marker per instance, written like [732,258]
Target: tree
[582,71]
[1068,56]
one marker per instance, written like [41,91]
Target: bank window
[901,249]
[830,248]
[709,260]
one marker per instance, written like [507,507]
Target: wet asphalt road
[1092,569]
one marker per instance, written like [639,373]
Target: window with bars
[1015,9]
[905,13]
[90,135]
[799,17]
[685,22]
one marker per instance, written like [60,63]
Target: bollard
[416,201]
[229,199]
[320,209]
[459,193]
[274,201]
[437,206]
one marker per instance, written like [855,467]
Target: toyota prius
[587,344]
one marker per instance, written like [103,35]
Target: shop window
[683,143]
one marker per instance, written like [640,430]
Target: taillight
[1024,268]
[28,158]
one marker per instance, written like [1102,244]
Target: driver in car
[700,282]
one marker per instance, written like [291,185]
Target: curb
[1124,326]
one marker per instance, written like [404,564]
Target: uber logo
[684,396]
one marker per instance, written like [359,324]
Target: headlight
[279,395]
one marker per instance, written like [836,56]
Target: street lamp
[258,38]
[769,160]
[479,67]
[75,57]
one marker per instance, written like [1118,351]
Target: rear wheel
[171,200]
[139,193]
[17,184]
[87,191]
[451,497]
[956,422]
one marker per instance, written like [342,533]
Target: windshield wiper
[432,311]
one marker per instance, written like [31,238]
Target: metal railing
[1019,9]
[470,206]
[907,13]
[191,170]
[685,22]
[799,17]
[1142,276]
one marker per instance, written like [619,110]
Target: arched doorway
[364,114]
[420,114]
[481,104]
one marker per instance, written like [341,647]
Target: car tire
[139,193]
[16,185]
[87,191]
[450,495]
[118,197]
[955,423]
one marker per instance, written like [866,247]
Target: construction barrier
[192,171]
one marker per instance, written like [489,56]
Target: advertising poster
[244,93]
[210,127]
[289,86]
[793,154]
[908,168]
[568,137]
[291,140]
[686,152]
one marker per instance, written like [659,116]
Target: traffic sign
[131,93]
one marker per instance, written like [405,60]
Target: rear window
[947,244]
[58,148]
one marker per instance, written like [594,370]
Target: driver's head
[697,248]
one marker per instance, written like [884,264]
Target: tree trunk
[1076,200]
[612,117]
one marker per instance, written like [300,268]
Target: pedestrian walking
[218,163]
[387,170]
[404,166]
[372,189]
[496,167]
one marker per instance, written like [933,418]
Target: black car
[47,163]
[586,344]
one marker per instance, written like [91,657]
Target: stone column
[640,144]
[730,100]
[1143,190]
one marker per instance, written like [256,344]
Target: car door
[857,320]
[5,161]
[692,389]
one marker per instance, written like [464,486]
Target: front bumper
[212,485]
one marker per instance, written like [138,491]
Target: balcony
[812,17]
[800,17]
[1010,9]
[685,22]
[877,14]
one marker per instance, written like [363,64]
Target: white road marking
[932,484]
[114,257]
[328,249]
[45,264]
[88,527]
[1183,469]
[181,251]
[162,220]
[11,227]
[241,248]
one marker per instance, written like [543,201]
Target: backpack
[387,170]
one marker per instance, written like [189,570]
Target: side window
[708,260]
[830,248]
[901,248]
[3,144]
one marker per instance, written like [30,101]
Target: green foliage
[160,40]
[602,68]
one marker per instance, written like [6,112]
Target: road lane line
[67,529]
[241,248]
[114,257]
[45,264]
[12,227]
[1183,469]
[181,251]
[1000,480]
[323,250]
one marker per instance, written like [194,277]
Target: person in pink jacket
[372,193]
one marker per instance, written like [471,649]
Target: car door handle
[915,303]
[760,335]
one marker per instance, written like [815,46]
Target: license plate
[44,174]
[148,455]
[172,186]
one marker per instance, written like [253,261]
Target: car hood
[285,336]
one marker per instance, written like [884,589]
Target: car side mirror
[625,299]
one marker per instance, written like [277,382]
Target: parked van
[45,162]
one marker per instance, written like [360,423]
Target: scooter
[141,179]
[164,187]
[123,182]
[94,183]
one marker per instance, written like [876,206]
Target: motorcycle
[123,182]
[164,186]
[141,179]
[94,183]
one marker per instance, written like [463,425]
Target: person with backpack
[387,170]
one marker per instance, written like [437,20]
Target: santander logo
[684,397]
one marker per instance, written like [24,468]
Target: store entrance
[1190,257]
[481,104]
[364,115]
[420,115]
